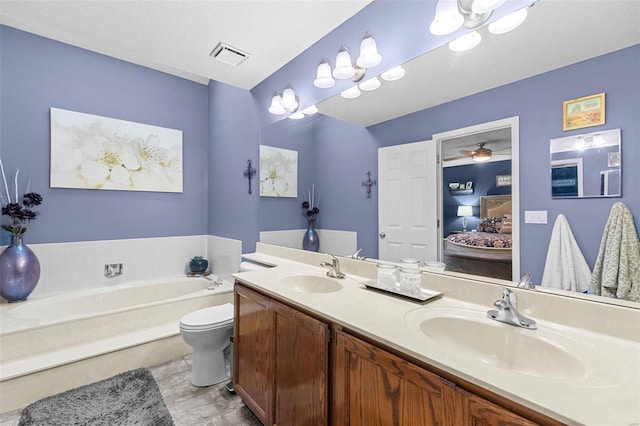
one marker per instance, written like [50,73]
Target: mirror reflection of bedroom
[476,204]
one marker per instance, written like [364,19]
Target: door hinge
[329,335]
[437,158]
[437,223]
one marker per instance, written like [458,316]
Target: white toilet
[208,331]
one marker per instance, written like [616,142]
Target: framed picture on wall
[503,180]
[613,159]
[583,112]
[469,185]
[455,185]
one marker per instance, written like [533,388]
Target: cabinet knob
[382,235]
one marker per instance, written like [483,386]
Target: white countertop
[607,394]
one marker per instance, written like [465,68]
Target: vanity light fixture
[598,139]
[395,73]
[324,80]
[284,102]
[351,93]
[296,115]
[509,22]
[371,84]
[465,42]
[369,56]
[344,69]
[447,18]
[580,143]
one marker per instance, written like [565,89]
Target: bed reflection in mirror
[586,165]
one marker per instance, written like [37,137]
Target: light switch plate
[535,216]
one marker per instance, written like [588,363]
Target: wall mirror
[586,165]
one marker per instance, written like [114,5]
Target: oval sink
[311,283]
[469,333]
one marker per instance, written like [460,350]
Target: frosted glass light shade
[447,18]
[324,80]
[344,69]
[369,56]
[351,93]
[296,115]
[509,22]
[276,107]
[371,84]
[395,73]
[485,6]
[310,110]
[289,99]
[466,42]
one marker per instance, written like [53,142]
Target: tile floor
[189,405]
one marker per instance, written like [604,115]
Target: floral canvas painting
[278,172]
[93,152]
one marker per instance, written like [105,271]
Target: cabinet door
[484,413]
[301,368]
[374,387]
[253,352]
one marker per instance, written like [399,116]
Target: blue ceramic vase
[19,271]
[310,241]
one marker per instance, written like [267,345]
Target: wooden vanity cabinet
[281,361]
[373,387]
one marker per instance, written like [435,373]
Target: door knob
[382,235]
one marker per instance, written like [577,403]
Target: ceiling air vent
[228,54]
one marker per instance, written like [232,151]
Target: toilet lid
[209,316]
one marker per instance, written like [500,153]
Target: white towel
[566,267]
[617,270]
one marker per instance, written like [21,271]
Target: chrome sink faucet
[334,268]
[508,313]
[525,282]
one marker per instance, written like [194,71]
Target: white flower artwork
[278,172]
[93,152]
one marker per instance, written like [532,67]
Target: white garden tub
[68,340]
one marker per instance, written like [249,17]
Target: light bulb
[351,93]
[296,115]
[580,143]
[344,69]
[447,18]
[395,73]
[276,107]
[369,56]
[509,22]
[323,76]
[466,42]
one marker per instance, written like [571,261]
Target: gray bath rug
[130,398]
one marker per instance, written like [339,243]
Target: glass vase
[19,271]
[310,241]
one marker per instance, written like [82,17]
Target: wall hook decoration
[368,184]
[249,173]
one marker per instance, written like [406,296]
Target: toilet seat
[208,318]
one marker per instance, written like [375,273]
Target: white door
[407,202]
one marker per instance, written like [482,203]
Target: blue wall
[36,74]
[483,176]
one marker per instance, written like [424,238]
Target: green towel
[617,270]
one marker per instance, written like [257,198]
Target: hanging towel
[566,267]
[617,270]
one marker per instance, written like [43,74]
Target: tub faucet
[508,313]
[334,268]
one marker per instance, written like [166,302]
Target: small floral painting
[278,172]
[93,152]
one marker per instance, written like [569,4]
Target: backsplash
[79,266]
